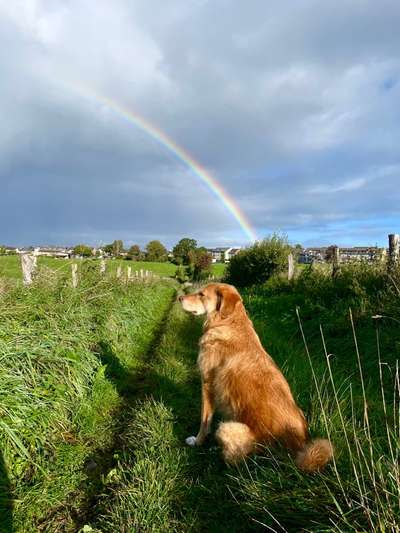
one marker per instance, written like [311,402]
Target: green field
[99,388]
[10,266]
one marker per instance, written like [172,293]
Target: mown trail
[160,484]
[130,385]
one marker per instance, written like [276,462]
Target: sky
[293,107]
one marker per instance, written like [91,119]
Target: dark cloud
[292,106]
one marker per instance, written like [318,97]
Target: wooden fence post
[290,266]
[141,273]
[74,274]
[119,272]
[394,249]
[102,266]
[136,273]
[29,265]
[128,273]
[335,260]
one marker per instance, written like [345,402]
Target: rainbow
[162,138]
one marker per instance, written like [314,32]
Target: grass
[218,269]
[343,375]
[159,483]
[59,408]
[99,388]
[161,269]
[10,266]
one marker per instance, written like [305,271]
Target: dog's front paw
[191,441]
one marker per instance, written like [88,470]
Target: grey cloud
[285,103]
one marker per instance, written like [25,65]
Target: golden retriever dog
[242,382]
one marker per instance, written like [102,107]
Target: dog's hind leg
[237,441]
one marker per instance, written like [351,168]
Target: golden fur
[242,382]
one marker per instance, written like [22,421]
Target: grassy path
[128,376]
[160,484]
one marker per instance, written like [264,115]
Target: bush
[82,250]
[199,268]
[180,274]
[259,262]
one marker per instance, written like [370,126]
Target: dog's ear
[227,298]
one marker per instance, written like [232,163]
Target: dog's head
[214,298]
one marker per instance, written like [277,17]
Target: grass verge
[59,406]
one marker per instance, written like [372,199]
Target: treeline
[154,251]
[193,261]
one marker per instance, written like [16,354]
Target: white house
[223,254]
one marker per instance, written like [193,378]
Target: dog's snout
[180,298]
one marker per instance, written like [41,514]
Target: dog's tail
[236,439]
[314,456]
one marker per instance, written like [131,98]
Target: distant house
[361,253]
[217,254]
[11,250]
[24,250]
[347,254]
[231,252]
[311,255]
[223,254]
[49,251]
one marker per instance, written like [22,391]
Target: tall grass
[57,403]
[346,378]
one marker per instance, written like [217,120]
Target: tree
[199,267]
[330,253]
[82,250]
[114,249]
[297,250]
[155,251]
[134,253]
[108,249]
[117,248]
[182,250]
[2,250]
